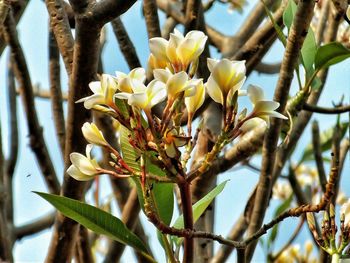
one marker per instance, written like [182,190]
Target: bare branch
[18,8]
[150,11]
[106,10]
[86,52]
[60,26]
[35,226]
[318,155]
[192,14]
[36,136]
[125,44]
[295,40]
[268,68]
[55,91]
[335,110]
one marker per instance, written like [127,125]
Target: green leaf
[164,201]
[129,154]
[308,52]
[330,54]
[326,138]
[289,13]
[278,29]
[280,209]
[122,107]
[199,208]
[95,219]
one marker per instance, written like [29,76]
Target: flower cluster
[295,254]
[129,99]
[327,239]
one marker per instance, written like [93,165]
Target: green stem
[168,250]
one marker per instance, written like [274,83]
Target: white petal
[175,39]
[176,83]
[252,124]
[137,86]
[88,150]
[120,75]
[82,163]
[158,47]
[138,99]
[125,85]
[93,135]
[223,73]
[77,175]
[162,75]
[89,102]
[95,87]
[195,102]
[170,150]
[214,90]
[273,114]
[211,63]
[122,95]
[255,94]
[266,105]
[139,74]
[156,92]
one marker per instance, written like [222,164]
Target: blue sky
[33,30]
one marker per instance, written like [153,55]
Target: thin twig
[318,155]
[335,110]
[35,226]
[11,162]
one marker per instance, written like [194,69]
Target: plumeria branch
[296,37]
[318,155]
[335,110]
[36,136]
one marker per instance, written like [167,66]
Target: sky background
[33,32]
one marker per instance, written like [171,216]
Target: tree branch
[150,11]
[60,26]
[86,52]
[106,10]
[55,91]
[335,110]
[295,40]
[318,155]
[125,44]
[35,226]
[37,142]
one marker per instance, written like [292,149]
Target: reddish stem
[186,199]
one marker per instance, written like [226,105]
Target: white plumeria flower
[225,79]
[132,81]
[103,90]
[193,103]
[172,141]
[93,135]
[158,46]
[145,97]
[281,191]
[263,108]
[345,209]
[175,83]
[83,168]
[253,123]
[180,50]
